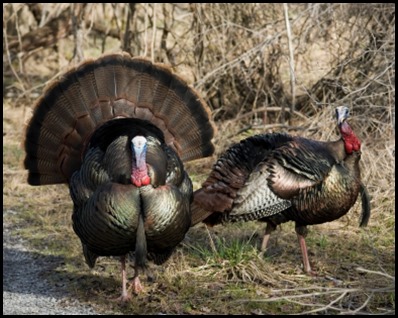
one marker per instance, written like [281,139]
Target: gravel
[25,288]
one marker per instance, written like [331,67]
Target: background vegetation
[261,68]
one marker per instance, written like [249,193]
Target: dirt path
[25,288]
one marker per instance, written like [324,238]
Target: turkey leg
[268,230]
[125,297]
[304,252]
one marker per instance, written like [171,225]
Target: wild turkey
[277,178]
[117,129]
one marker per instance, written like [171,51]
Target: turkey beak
[139,146]
[342,113]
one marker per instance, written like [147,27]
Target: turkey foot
[124,298]
[136,285]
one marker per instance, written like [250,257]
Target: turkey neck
[346,146]
[139,170]
[351,141]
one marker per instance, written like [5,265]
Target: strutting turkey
[277,178]
[117,129]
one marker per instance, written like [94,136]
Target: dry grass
[219,270]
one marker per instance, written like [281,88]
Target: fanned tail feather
[97,91]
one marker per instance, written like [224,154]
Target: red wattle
[351,142]
[139,182]
[348,148]
[136,182]
[145,180]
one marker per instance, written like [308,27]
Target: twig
[330,292]
[153,34]
[249,53]
[146,30]
[268,109]
[328,306]
[126,37]
[363,270]
[360,307]
[9,57]
[291,60]
[77,11]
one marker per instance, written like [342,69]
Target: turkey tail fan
[97,91]
[365,198]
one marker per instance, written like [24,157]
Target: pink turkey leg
[303,247]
